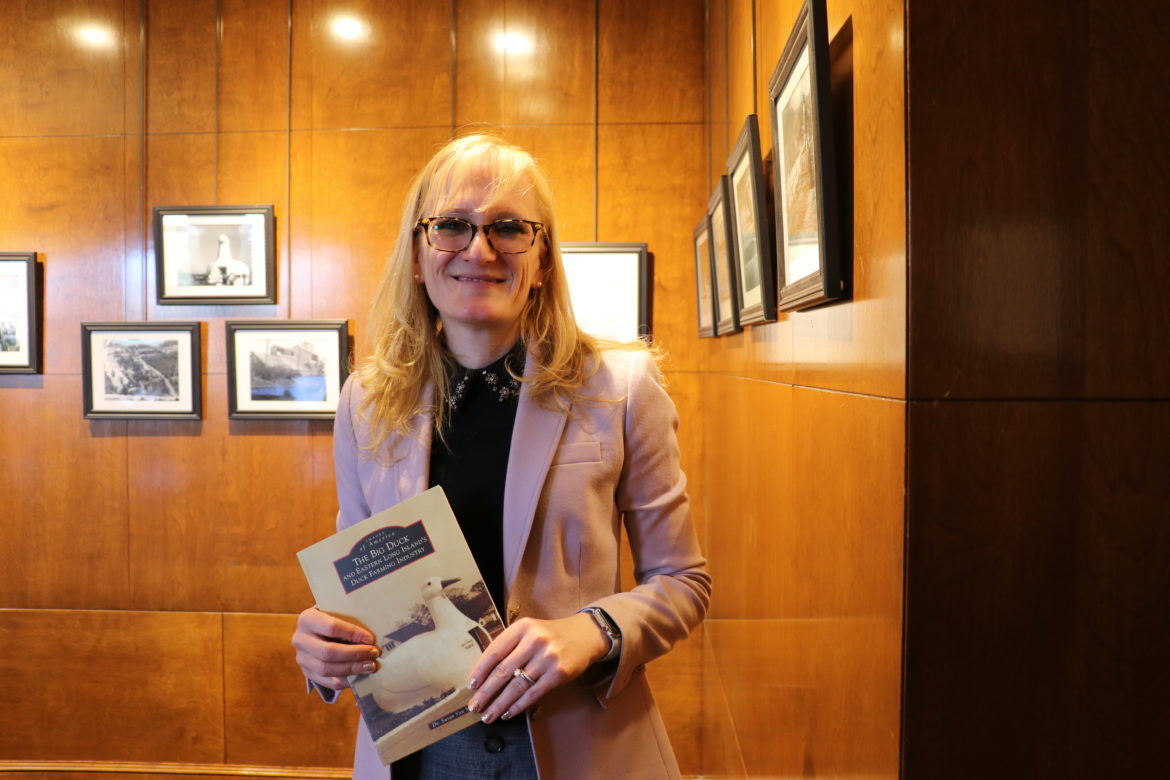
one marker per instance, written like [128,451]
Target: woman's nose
[480,249]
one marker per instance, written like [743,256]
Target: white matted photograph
[286,369]
[609,285]
[141,370]
[19,313]
[214,255]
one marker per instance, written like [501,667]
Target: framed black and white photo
[20,307]
[753,241]
[214,255]
[136,370]
[723,262]
[703,281]
[290,370]
[609,285]
[807,235]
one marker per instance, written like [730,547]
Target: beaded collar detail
[494,377]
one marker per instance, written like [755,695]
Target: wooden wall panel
[271,720]
[647,68]
[568,156]
[741,60]
[545,77]
[64,506]
[718,107]
[136,686]
[181,61]
[396,73]
[1038,555]
[63,197]
[77,47]
[253,65]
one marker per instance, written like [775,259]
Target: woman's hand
[551,652]
[329,649]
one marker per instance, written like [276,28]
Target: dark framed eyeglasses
[506,236]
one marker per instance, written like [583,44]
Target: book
[408,576]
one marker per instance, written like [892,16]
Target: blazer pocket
[578,452]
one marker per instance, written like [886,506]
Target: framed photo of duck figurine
[20,313]
[286,369]
[609,285]
[806,200]
[141,370]
[747,192]
[214,255]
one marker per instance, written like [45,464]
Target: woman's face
[480,291]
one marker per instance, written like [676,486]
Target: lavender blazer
[572,479]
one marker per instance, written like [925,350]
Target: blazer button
[493,744]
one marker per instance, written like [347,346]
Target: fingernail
[487,717]
[375,653]
[369,668]
[471,684]
[507,714]
[473,706]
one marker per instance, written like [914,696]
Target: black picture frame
[215,255]
[286,369]
[704,281]
[808,236]
[748,196]
[609,286]
[20,313]
[141,370]
[724,292]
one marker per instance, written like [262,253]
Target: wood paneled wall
[803,440]
[151,583]
[1039,414]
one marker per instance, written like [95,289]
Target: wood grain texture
[270,719]
[253,65]
[524,62]
[568,156]
[62,67]
[181,66]
[648,69]
[741,64]
[159,672]
[1037,554]
[718,107]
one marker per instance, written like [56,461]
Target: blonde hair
[408,350]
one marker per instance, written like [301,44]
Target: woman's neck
[476,348]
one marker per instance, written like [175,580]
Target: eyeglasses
[506,236]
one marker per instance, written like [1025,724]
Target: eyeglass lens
[454,235]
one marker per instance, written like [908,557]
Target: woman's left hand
[551,652]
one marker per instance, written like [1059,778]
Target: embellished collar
[496,377]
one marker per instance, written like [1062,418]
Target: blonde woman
[546,442]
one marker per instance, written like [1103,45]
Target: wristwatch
[609,629]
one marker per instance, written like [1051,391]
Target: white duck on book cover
[407,575]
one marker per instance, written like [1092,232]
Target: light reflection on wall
[349,28]
[518,50]
[90,35]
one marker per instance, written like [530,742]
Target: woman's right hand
[329,649]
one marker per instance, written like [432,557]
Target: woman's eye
[448,226]
[505,229]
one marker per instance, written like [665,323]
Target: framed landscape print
[286,369]
[20,307]
[750,222]
[807,230]
[214,255]
[703,285]
[609,285]
[723,285]
[134,370]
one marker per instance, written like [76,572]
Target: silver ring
[523,675]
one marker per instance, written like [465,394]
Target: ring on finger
[520,674]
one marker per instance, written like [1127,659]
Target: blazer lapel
[535,436]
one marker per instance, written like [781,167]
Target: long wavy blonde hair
[408,346]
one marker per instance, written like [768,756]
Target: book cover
[407,575]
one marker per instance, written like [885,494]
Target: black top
[470,458]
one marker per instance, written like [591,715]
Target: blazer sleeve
[673,587]
[351,500]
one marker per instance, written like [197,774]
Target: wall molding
[165,768]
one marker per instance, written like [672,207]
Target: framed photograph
[20,313]
[134,370]
[286,370]
[807,235]
[214,254]
[703,283]
[609,285]
[751,222]
[723,284]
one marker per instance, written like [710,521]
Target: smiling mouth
[483,279]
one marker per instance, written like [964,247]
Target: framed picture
[753,240]
[214,254]
[20,313]
[136,370]
[807,235]
[609,285]
[286,370]
[703,282]
[723,285]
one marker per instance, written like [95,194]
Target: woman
[544,441]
